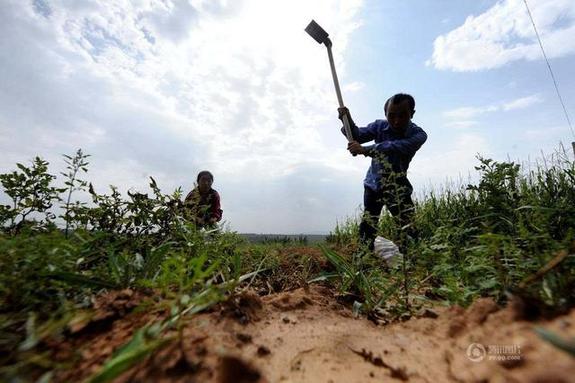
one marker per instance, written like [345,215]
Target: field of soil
[306,335]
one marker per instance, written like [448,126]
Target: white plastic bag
[386,250]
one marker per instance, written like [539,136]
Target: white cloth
[386,250]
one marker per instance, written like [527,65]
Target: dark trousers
[400,205]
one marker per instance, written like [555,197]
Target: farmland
[125,288]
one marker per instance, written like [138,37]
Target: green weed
[483,239]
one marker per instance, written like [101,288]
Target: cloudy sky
[166,88]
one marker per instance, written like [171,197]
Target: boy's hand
[355,148]
[342,112]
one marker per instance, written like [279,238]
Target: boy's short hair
[398,99]
[205,173]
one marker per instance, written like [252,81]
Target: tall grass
[486,238]
[142,242]
[513,231]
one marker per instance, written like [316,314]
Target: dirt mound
[306,336]
[296,265]
[93,336]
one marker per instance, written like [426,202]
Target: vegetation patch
[135,266]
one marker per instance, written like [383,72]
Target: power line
[550,71]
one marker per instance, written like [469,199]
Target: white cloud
[522,103]
[168,88]
[457,156]
[546,133]
[504,34]
[464,124]
[468,112]
[462,117]
[355,86]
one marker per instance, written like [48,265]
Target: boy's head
[205,180]
[399,109]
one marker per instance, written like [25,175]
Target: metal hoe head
[317,32]
[321,36]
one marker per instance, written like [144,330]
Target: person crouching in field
[396,141]
[202,204]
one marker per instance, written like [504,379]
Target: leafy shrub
[487,238]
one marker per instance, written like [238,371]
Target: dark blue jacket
[391,153]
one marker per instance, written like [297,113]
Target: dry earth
[306,336]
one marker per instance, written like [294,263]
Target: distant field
[260,238]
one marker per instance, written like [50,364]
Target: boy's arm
[216,215]
[189,197]
[361,135]
[407,146]
[194,194]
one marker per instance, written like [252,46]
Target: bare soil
[305,335]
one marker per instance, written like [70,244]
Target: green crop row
[510,233]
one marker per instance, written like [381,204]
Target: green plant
[31,192]
[567,345]
[483,239]
[346,232]
[72,212]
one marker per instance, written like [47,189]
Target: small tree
[109,214]
[30,191]
[73,183]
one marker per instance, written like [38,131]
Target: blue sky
[169,88]
[396,61]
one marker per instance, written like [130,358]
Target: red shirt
[206,207]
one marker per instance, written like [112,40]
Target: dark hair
[398,99]
[205,173]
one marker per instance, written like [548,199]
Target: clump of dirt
[93,336]
[234,370]
[296,265]
[288,302]
[106,309]
[475,315]
[243,307]
[304,335]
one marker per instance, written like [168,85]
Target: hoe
[321,36]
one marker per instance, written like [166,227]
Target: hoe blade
[317,32]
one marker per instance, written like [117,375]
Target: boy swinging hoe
[396,139]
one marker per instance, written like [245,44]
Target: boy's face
[205,183]
[399,115]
